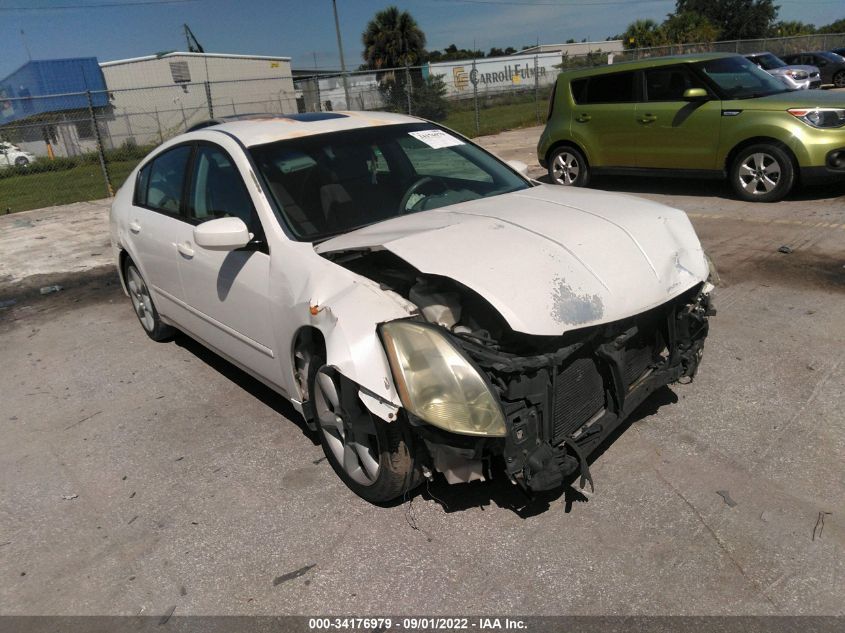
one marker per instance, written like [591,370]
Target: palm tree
[643,34]
[392,39]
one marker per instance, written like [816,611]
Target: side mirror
[519,167]
[222,234]
[695,94]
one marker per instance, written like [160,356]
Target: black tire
[147,313]
[398,472]
[21,161]
[567,166]
[762,173]
[839,79]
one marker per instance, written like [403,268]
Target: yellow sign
[460,77]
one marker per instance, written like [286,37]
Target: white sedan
[425,306]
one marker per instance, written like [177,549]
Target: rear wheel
[839,79]
[143,304]
[567,166]
[370,455]
[762,173]
[21,161]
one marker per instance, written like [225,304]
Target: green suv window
[668,83]
[608,88]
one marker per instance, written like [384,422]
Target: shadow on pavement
[706,188]
[246,382]
[499,491]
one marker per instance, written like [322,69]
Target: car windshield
[769,62]
[327,184]
[739,78]
[832,57]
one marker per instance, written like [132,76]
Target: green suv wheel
[567,166]
[762,173]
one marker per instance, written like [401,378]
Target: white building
[157,96]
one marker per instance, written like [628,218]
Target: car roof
[258,129]
[650,62]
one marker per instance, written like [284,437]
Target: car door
[674,133]
[155,224]
[603,118]
[227,292]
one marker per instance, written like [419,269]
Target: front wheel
[762,173]
[21,161]
[567,166]
[369,455]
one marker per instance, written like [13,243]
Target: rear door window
[167,179]
[607,88]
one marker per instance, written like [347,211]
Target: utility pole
[340,50]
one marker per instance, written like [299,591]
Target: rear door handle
[134,226]
[185,249]
[648,118]
[583,118]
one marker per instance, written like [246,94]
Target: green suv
[699,115]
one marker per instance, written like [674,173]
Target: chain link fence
[63,148]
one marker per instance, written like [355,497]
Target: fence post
[537,89]
[208,100]
[474,79]
[158,124]
[408,85]
[100,153]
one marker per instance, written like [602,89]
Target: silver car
[794,77]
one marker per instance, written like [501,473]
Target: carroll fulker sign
[497,73]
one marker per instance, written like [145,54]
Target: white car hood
[549,258]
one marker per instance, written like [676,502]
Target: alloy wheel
[353,443]
[141,300]
[759,173]
[565,168]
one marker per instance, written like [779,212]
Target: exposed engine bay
[561,396]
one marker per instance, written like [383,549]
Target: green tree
[643,34]
[791,29]
[735,19]
[392,39]
[688,27]
[428,96]
[833,27]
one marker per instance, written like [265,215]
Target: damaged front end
[561,405]
[476,392]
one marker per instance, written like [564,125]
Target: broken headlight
[438,383]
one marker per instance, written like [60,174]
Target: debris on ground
[70,497]
[726,497]
[785,249]
[818,528]
[167,616]
[46,290]
[278,580]
[7,303]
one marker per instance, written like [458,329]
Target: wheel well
[757,140]
[571,144]
[122,258]
[308,342]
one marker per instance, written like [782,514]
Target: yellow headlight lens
[438,384]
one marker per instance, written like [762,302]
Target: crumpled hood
[549,258]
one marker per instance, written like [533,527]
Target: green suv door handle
[583,118]
[648,118]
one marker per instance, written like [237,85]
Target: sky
[304,29]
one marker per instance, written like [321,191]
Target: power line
[97,5]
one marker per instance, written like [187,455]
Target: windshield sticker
[436,138]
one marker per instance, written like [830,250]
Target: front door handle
[134,226]
[648,118]
[185,249]
[583,118]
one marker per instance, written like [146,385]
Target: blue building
[44,105]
